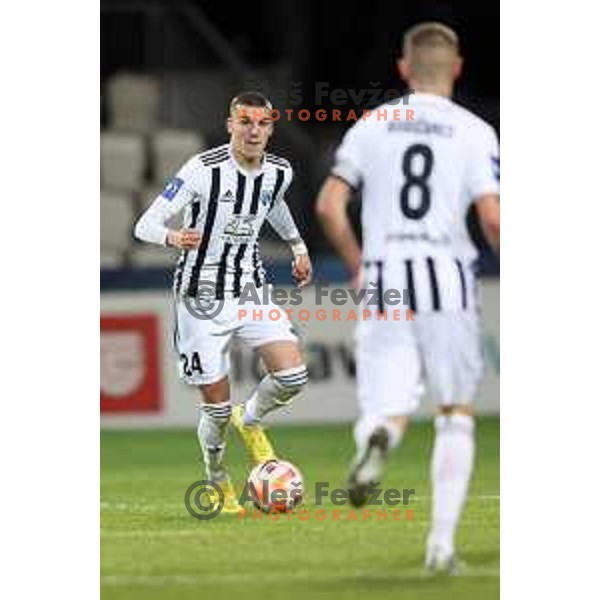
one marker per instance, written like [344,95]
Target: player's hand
[184,239]
[302,269]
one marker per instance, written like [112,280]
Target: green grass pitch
[152,549]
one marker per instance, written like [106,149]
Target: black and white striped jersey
[418,179]
[228,206]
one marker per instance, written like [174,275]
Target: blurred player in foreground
[418,180]
[227,194]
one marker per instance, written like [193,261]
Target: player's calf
[214,417]
[451,469]
[289,383]
[212,429]
[275,390]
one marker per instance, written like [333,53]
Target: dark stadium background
[285,45]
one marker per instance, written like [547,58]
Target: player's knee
[290,382]
[215,392]
[457,409]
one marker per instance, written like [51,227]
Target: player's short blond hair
[431,49]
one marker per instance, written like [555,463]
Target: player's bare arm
[331,210]
[488,211]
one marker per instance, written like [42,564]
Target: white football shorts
[395,358]
[202,344]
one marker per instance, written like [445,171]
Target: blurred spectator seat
[274,249]
[134,102]
[116,223]
[198,99]
[171,148]
[146,255]
[122,160]
[148,194]
[110,260]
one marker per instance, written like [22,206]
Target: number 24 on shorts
[191,364]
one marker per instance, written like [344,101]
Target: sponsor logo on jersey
[239,229]
[172,187]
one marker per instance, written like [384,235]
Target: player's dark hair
[251,98]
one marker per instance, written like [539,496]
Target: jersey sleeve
[280,217]
[349,162]
[181,190]
[483,168]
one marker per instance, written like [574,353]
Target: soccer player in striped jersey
[418,180]
[227,193]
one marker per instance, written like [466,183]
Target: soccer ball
[276,486]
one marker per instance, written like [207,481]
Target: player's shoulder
[196,172]
[358,130]
[278,162]
[473,122]
[211,157]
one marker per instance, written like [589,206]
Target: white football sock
[212,428]
[451,468]
[274,390]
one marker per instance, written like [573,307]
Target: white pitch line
[132,507]
[298,576]
[152,533]
[199,532]
[469,498]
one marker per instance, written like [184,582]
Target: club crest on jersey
[172,187]
[265,198]
[226,197]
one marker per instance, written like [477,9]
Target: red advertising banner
[129,364]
